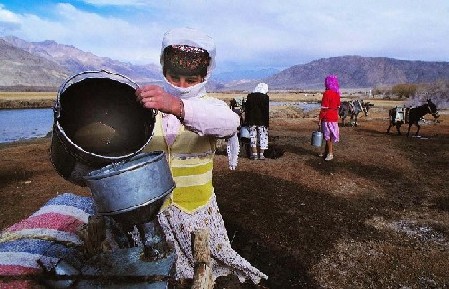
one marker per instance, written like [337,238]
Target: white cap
[261,87]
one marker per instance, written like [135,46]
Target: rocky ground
[377,216]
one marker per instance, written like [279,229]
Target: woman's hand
[155,97]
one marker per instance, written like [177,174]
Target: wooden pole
[202,277]
[94,234]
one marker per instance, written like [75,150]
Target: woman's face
[183,80]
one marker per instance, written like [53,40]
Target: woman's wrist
[181,112]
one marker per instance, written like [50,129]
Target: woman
[328,118]
[187,129]
[257,117]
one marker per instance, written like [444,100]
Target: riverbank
[17,100]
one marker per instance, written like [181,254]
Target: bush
[404,90]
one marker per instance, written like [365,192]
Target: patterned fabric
[46,236]
[191,37]
[190,157]
[186,60]
[259,136]
[331,131]
[178,227]
[191,166]
[191,161]
[233,150]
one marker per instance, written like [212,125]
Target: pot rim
[111,169]
[153,200]
[102,157]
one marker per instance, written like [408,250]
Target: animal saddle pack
[401,114]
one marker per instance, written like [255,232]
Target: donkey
[411,116]
[353,108]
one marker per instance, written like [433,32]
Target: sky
[249,34]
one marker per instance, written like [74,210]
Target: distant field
[310,97]
[46,99]
[27,95]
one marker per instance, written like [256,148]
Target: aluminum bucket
[132,191]
[97,121]
[317,139]
[244,132]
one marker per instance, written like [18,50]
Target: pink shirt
[204,116]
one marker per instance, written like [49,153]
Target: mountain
[19,67]
[359,72]
[243,75]
[75,60]
[48,63]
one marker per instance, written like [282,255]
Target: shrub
[404,90]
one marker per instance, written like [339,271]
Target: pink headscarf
[331,83]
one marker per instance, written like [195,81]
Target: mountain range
[49,64]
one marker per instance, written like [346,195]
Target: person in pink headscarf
[328,118]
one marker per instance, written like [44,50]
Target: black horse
[352,109]
[399,116]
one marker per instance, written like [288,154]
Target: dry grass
[377,216]
[274,96]
[27,95]
[49,97]
[311,97]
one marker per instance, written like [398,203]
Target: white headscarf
[194,38]
[261,87]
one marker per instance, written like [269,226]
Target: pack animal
[352,109]
[410,116]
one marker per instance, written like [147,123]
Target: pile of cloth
[44,238]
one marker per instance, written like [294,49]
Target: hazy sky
[250,34]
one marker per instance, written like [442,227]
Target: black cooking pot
[97,121]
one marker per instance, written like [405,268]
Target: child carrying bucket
[328,118]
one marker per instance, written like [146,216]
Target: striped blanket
[43,238]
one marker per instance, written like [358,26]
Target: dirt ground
[377,216]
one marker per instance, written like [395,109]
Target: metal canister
[132,191]
[317,139]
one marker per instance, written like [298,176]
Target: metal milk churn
[317,138]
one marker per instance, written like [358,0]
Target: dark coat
[257,109]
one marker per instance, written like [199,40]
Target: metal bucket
[317,139]
[244,132]
[97,121]
[132,191]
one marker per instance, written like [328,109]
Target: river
[22,124]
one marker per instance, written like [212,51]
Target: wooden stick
[96,234]
[202,277]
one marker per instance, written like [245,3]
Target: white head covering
[261,87]
[194,38]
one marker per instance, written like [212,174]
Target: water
[21,124]
[306,106]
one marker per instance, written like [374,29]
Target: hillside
[358,72]
[74,60]
[21,68]
[48,63]
[353,72]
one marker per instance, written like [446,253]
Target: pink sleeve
[210,116]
